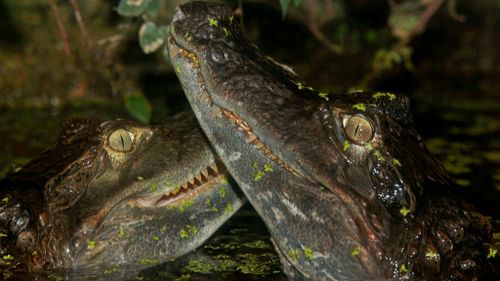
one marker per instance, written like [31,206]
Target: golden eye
[358,129]
[121,140]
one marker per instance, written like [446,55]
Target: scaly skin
[95,201]
[343,182]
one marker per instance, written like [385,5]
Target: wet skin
[343,182]
[114,193]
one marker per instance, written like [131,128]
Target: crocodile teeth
[197,182]
[244,126]
[199,177]
[259,145]
[213,168]
[192,181]
[185,185]
[251,137]
[215,111]
[204,173]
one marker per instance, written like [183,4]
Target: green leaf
[132,8]
[151,37]
[153,8]
[284,7]
[139,107]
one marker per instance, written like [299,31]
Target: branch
[62,30]
[81,25]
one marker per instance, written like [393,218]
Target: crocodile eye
[121,140]
[358,129]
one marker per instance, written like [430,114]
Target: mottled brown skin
[340,204]
[112,194]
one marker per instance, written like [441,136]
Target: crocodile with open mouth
[113,194]
[343,182]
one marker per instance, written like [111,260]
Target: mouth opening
[207,178]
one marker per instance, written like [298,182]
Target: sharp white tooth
[185,185]
[251,137]
[199,177]
[259,145]
[213,166]
[215,112]
[245,126]
[204,172]
[191,181]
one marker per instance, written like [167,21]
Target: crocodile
[111,194]
[343,182]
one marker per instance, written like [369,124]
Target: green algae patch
[184,234]
[404,211]
[199,266]
[91,244]
[324,96]
[213,22]
[257,244]
[163,229]
[308,253]
[378,155]
[224,180]
[300,86]
[256,264]
[396,162]
[147,262]
[355,251]
[260,173]
[229,208]
[378,95]
[268,168]
[359,106]
[186,204]
[112,270]
[121,231]
[192,229]
[155,238]
[431,255]
[5,200]
[403,268]
[294,254]
[153,188]
[368,146]
[2,235]
[345,145]
[492,252]
[222,192]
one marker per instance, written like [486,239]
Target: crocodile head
[115,193]
[342,181]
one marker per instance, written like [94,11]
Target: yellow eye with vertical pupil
[358,129]
[121,140]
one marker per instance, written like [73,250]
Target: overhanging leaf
[284,7]
[139,107]
[153,7]
[151,37]
[132,8]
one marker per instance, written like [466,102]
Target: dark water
[463,133]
